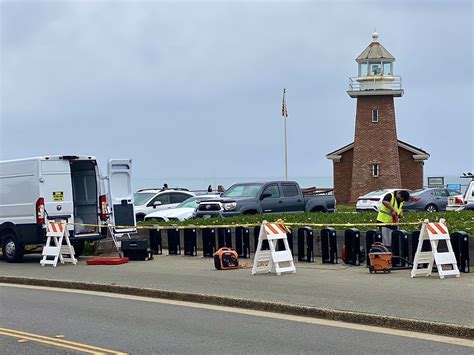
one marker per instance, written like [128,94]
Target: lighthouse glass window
[375,69]
[387,68]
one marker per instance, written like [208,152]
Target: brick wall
[342,175]
[375,143]
[411,170]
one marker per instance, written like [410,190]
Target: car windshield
[376,193]
[244,190]
[417,192]
[190,202]
[193,202]
[140,198]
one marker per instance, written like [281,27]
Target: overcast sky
[193,89]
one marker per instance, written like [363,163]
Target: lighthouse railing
[379,82]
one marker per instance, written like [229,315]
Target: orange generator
[226,259]
[380,258]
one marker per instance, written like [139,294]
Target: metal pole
[286,151]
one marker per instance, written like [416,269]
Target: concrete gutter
[415,325]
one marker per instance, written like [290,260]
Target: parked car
[268,197]
[183,211]
[429,199]
[150,200]
[372,200]
[461,202]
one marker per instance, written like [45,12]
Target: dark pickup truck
[269,197]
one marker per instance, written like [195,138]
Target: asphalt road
[148,326]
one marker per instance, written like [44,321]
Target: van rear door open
[56,189]
[121,195]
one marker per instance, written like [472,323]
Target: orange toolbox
[380,258]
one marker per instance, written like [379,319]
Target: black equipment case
[136,249]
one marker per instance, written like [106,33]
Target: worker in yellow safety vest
[390,210]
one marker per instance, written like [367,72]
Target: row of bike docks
[349,246]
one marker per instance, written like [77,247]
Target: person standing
[390,210]
[209,188]
[165,187]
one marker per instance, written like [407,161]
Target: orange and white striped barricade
[446,263]
[56,232]
[266,260]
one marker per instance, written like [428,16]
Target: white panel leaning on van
[33,190]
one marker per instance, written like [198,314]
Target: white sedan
[372,200]
[181,212]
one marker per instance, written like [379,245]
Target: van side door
[121,195]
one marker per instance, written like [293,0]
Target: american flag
[284,111]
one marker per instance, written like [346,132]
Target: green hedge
[457,221]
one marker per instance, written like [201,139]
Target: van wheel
[78,248]
[12,250]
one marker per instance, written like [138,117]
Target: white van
[68,187]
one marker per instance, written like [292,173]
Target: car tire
[431,208]
[12,250]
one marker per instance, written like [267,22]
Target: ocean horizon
[201,183]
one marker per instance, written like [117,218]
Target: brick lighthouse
[376,159]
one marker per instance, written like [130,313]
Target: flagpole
[286,151]
[284,113]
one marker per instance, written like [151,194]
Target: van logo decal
[58,196]
[59,207]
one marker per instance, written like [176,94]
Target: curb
[444,329]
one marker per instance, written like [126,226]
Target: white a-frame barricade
[56,232]
[446,263]
[266,260]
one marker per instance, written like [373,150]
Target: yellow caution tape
[248,225]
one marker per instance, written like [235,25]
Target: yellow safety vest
[385,214]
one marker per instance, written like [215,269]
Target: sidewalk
[335,287]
